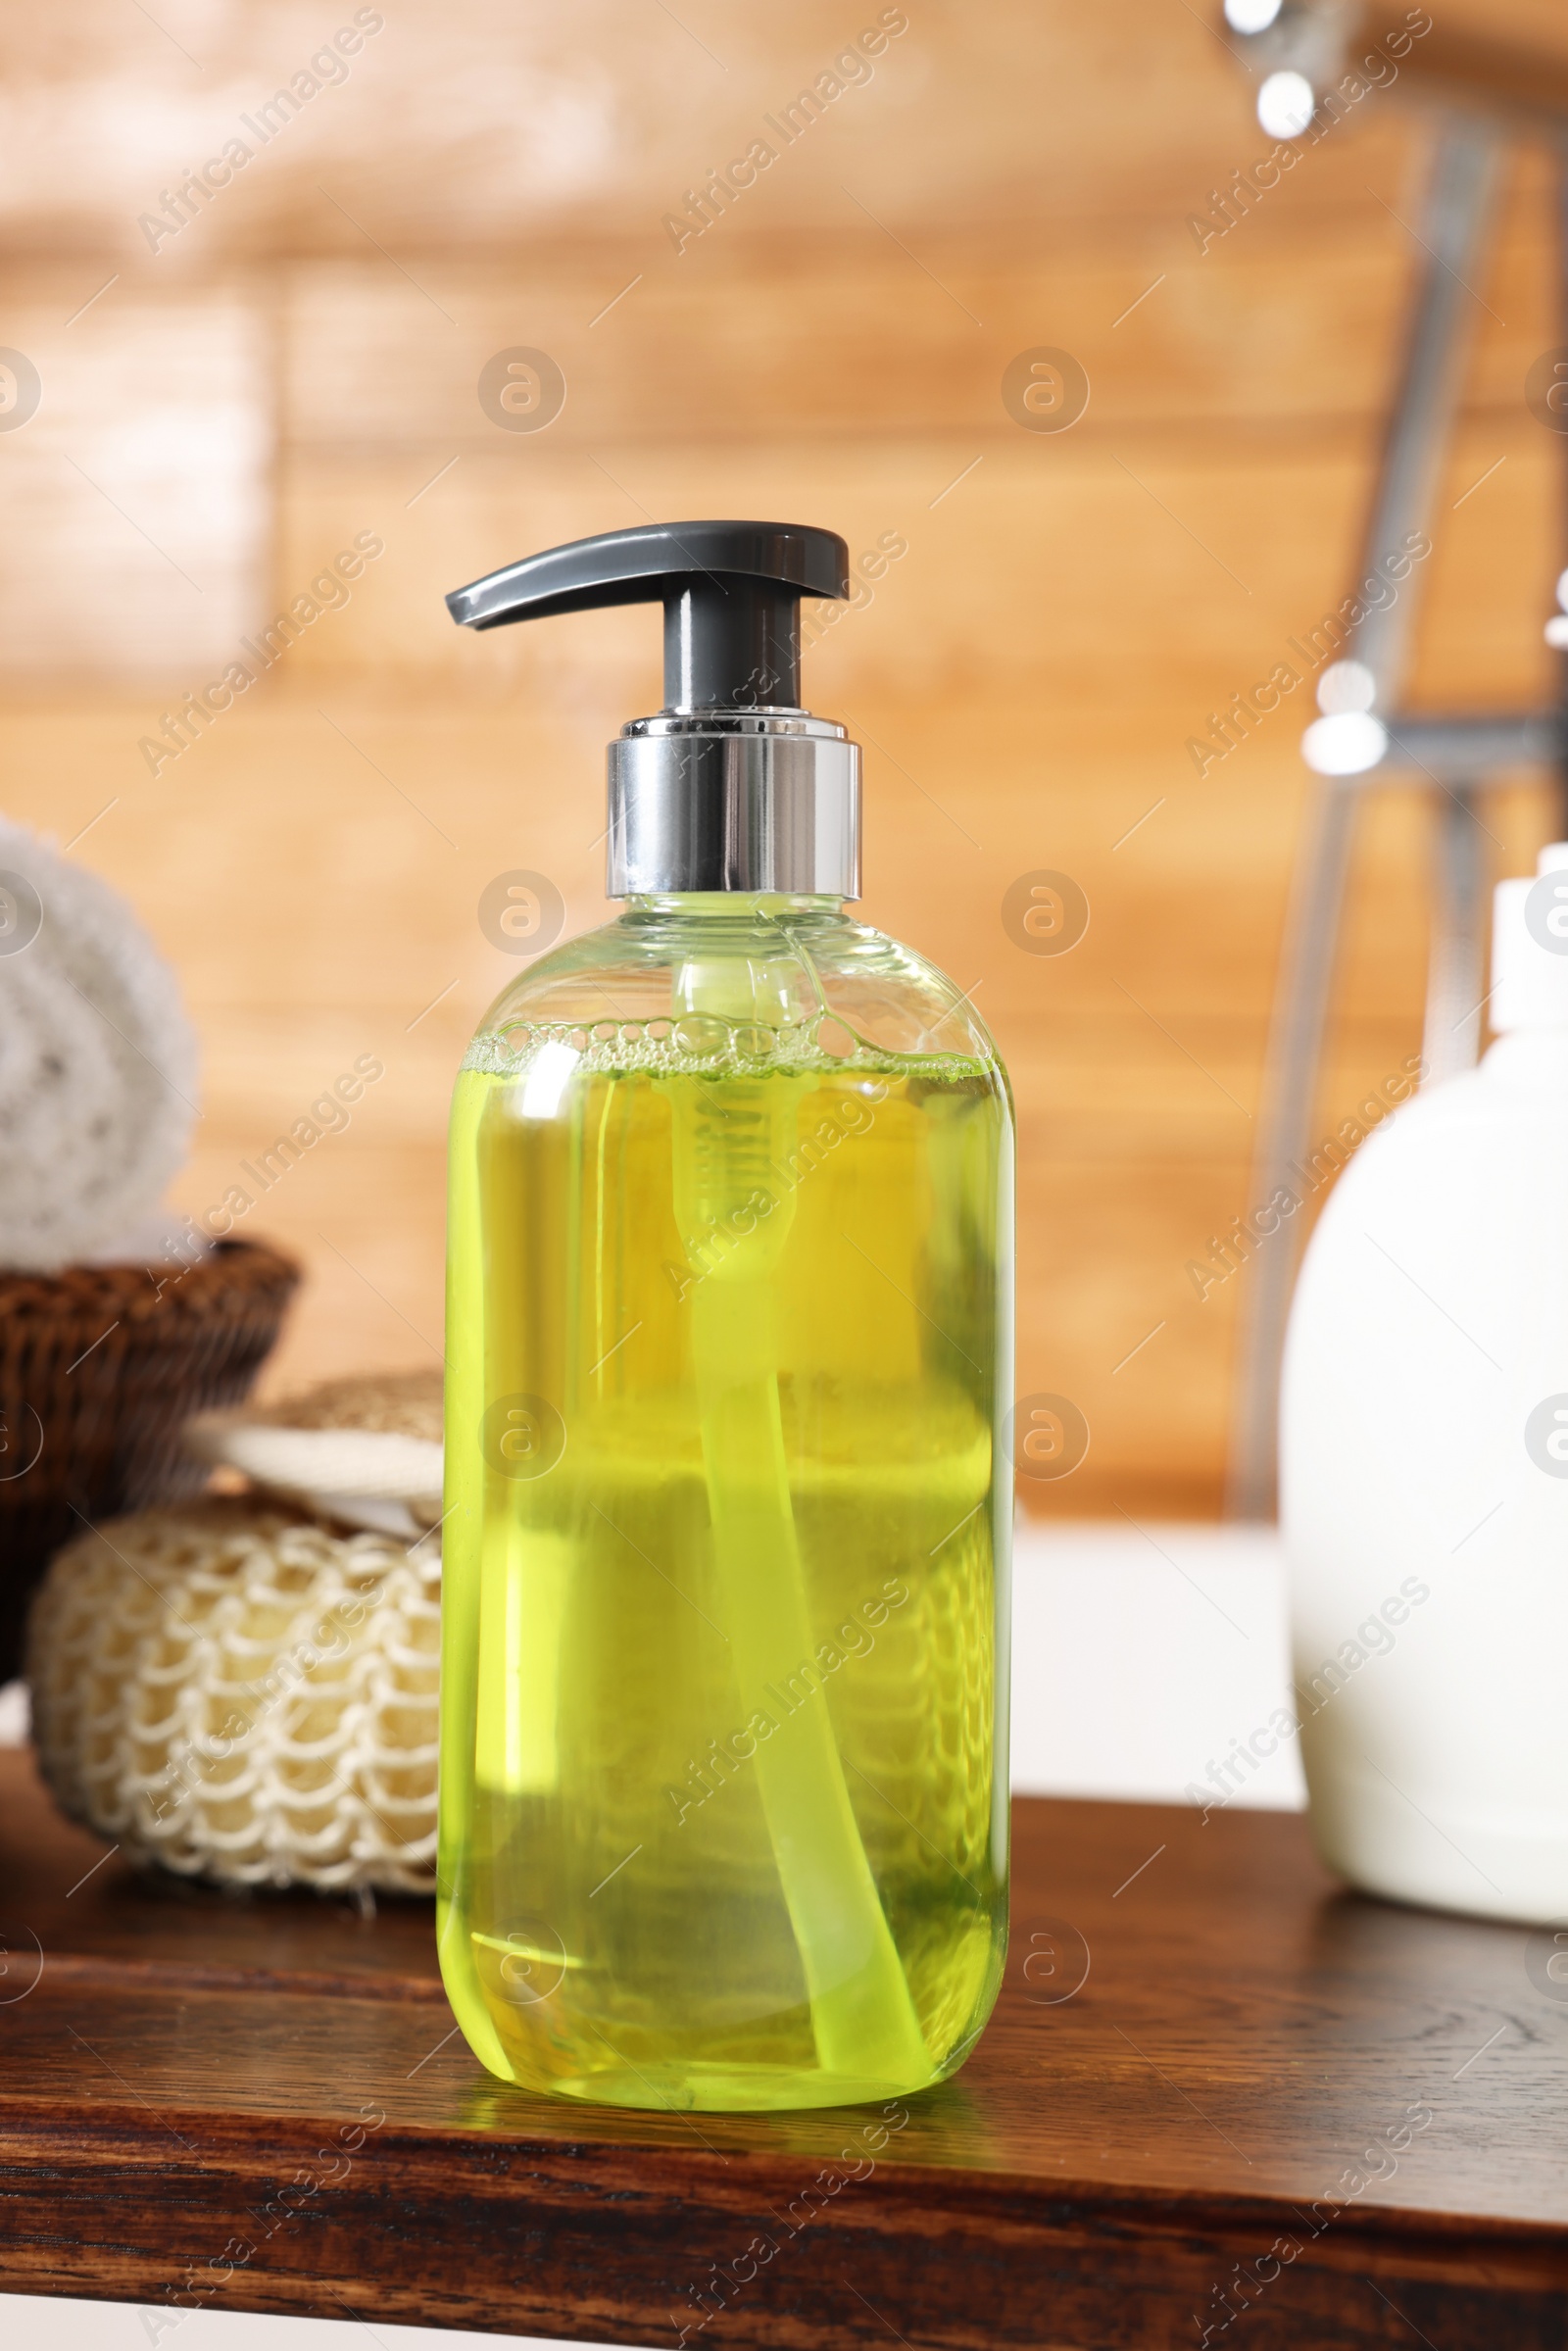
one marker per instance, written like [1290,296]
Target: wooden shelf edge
[583,2238]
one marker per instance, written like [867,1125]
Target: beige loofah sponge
[397,1403]
[243,1694]
[366,1448]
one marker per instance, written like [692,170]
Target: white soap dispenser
[1424,1467]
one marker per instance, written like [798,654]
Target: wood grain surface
[1218,2094]
[299,364]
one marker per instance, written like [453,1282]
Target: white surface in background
[32,2323]
[1139,1657]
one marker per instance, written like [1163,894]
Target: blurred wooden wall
[299,365]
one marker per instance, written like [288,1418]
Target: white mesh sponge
[97,1062]
[243,1695]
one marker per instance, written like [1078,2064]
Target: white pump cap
[1529,947]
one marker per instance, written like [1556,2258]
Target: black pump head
[731,593]
[732,786]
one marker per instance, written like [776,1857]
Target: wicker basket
[100,1366]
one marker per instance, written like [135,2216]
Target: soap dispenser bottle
[724,1663]
[1424,1466]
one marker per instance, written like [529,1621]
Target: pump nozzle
[732,786]
[731,593]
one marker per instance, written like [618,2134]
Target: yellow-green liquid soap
[724,1661]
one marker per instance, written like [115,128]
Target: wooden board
[1202,2054]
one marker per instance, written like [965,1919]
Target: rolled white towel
[98,1071]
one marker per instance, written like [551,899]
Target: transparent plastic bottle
[723,1786]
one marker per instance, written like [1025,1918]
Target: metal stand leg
[1301,1015]
[1451,234]
[1450,1041]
